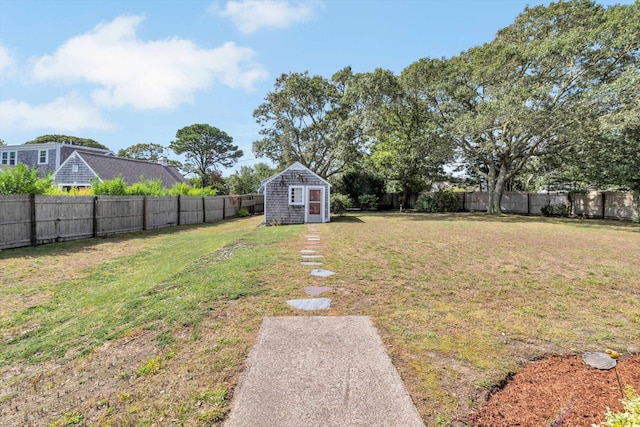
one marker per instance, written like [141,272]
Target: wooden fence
[28,220]
[604,205]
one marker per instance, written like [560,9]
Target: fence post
[603,204]
[94,232]
[528,203]
[178,219]
[224,208]
[204,209]
[144,212]
[464,201]
[32,212]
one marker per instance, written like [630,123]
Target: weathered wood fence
[28,220]
[604,205]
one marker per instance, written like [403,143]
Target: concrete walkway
[320,371]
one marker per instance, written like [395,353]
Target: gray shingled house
[46,157]
[295,196]
[80,168]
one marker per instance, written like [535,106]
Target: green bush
[110,187]
[242,212]
[555,210]
[368,202]
[631,415]
[147,187]
[441,201]
[22,180]
[340,203]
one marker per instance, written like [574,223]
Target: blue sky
[134,71]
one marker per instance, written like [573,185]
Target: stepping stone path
[311,256]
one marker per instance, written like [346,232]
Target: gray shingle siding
[276,191]
[65,175]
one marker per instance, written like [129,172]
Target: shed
[296,196]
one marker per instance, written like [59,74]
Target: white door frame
[322,202]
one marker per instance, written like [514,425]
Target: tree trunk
[496,189]
[405,197]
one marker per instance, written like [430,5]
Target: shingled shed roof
[109,167]
[295,166]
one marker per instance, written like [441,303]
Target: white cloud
[146,74]
[6,59]
[65,114]
[252,15]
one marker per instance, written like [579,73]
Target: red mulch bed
[560,390]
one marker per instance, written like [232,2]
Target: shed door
[314,204]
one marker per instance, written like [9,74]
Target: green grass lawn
[155,328]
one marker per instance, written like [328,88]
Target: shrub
[111,187]
[555,210]
[368,202]
[22,180]
[340,203]
[242,212]
[441,201]
[631,415]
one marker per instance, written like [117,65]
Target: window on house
[296,195]
[74,168]
[8,158]
[43,157]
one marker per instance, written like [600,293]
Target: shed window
[8,157]
[296,195]
[43,157]
[74,168]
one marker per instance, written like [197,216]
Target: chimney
[163,161]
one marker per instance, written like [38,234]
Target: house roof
[295,166]
[109,167]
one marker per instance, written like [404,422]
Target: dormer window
[43,157]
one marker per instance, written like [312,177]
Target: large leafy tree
[405,143]
[248,178]
[303,120]
[205,148]
[522,95]
[143,151]
[85,142]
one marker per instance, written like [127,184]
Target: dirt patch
[560,390]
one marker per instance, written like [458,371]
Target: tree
[302,120]
[205,147]
[2,142]
[522,95]
[405,143]
[85,142]
[248,179]
[148,151]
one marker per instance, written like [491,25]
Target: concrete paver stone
[320,371]
[321,273]
[313,291]
[310,263]
[310,303]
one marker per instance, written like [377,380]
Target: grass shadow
[71,247]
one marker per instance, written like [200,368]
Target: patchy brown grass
[459,300]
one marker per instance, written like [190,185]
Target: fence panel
[231,205]
[476,201]
[588,205]
[258,208]
[191,210]
[15,221]
[60,218]
[161,211]
[119,214]
[214,208]
[619,206]
[538,201]
[515,202]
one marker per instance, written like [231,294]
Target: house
[295,196]
[46,157]
[80,168]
